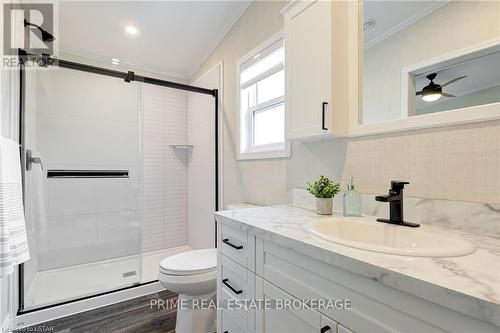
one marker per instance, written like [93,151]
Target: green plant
[323,188]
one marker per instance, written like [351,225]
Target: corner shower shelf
[181,146]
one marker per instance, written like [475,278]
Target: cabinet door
[236,244]
[235,283]
[308,37]
[283,319]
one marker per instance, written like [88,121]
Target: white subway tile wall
[201,169]
[164,200]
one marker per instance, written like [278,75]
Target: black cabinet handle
[324,329]
[237,292]
[225,332]
[323,110]
[237,247]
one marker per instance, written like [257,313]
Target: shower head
[46,36]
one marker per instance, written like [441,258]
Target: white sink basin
[368,234]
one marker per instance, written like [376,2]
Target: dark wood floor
[135,315]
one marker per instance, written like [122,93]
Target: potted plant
[324,190]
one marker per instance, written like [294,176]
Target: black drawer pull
[325,329]
[237,292]
[226,241]
[225,332]
[323,110]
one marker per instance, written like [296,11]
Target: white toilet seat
[189,263]
[190,273]
[192,285]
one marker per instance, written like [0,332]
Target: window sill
[266,154]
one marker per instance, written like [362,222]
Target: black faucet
[395,200]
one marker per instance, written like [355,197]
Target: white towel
[13,242]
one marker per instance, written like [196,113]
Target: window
[261,95]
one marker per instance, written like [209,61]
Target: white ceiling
[174,38]
[392,16]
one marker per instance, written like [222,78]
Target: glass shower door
[82,185]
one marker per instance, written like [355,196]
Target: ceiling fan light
[431,97]
[131,30]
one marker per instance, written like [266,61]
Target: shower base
[68,283]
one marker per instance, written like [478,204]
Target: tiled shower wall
[164,198]
[201,169]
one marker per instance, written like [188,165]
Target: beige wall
[456,163]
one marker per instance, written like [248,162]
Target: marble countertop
[468,284]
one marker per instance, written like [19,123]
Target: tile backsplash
[481,218]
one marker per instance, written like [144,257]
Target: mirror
[422,57]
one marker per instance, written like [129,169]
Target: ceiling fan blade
[419,93]
[455,79]
[448,95]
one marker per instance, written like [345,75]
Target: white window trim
[279,150]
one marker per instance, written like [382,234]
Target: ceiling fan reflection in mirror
[433,91]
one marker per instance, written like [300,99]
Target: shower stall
[117,168]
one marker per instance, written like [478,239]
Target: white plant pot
[324,206]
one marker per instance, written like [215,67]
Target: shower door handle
[30,160]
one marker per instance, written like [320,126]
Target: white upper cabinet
[313,45]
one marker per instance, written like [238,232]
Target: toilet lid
[190,262]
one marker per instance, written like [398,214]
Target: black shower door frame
[44,61]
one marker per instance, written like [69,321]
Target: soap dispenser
[352,200]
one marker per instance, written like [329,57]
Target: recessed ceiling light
[131,30]
[115,61]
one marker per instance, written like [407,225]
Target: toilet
[193,275]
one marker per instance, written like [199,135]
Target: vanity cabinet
[374,307]
[316,69]
[261,266]
[237,281]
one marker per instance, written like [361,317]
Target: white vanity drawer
[235,283]
[288,319]
[236,244]
[374,306]
[229,322]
